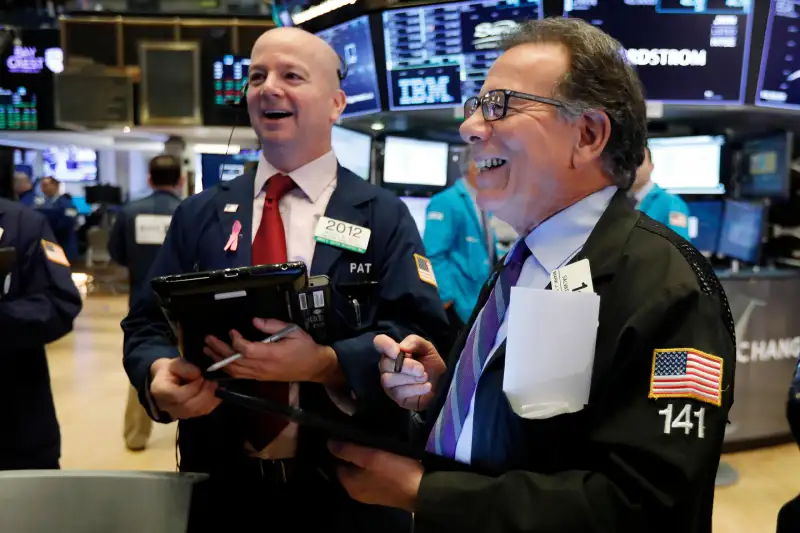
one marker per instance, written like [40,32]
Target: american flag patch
[686,373]
[55,253]
[425,270]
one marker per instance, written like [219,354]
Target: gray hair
[599,79]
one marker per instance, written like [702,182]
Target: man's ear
[594,130]
[340,102]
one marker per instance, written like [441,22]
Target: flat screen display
[26,81]
[742,230]
[353,150]
[685,51]
[230,74]
[69,163]
[438,55]
[414,162]
[778,84]
[705,222]
[353,42]
[766,167]
[18,109]
[221,167]
[419,209]
[687,165]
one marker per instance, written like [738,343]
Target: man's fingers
[219,347]
[416,344]
[202,403]
[390,380]
[410,366]
[386,346]
[185,370]
[352,453]
[404,392]
[269,325]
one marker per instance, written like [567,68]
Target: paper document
[550,351]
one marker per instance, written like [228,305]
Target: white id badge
[151,229]
[576,277]
[342,234]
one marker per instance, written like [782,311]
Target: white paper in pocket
[550,351]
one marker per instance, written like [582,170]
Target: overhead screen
[685,51]
[353,42]
[438,55]
[779,76]
[69,163]
[687,165]
[414,162]
[766,166]
[353,150]
[230,73]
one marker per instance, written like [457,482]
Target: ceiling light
[377,126]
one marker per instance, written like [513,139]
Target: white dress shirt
[553,244]
[300,210]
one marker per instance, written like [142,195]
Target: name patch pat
[55,253]
[425,270]
[686,373]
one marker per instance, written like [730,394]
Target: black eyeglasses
[494,104]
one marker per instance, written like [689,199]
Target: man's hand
[179,389]
[377,477]
[296,357]
[413,387]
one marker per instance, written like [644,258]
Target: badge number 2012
[683,420]
[342,234]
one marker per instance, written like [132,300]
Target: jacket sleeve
[116,241]
[49,300]
[439,241]
[147,334]
[406,305]
[643,456]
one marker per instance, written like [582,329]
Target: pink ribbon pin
[233,240]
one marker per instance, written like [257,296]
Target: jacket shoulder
[27,216]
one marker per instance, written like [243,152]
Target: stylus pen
[272,338]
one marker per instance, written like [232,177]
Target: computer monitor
[688,165]
[353,150]
[69,163]
[414,162]
[418,207]
[438,55]
[766,167]
[352,40]
[705,222]
[743,226]
[685,52]
[778,84]
[230,75]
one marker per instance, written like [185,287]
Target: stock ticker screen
[685,51]
[230,73]
[778,84]
[353,42]
[18,109]
[438,55]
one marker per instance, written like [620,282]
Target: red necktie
[269,247]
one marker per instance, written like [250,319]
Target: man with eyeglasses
[558,132]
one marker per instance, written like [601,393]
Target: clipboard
[216,301]
[348,433]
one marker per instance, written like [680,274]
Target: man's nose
[475,129]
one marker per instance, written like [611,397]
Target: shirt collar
[642,193]
[312,178]
[558,238]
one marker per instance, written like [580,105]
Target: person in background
[23,189]
[61,214]
[657,203]
[558,131]
[267,473]
[38,304]
[461,244]
[138,233]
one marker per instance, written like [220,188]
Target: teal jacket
[666,208]
[454,242]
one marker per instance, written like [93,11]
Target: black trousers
[273,497]
[24,462]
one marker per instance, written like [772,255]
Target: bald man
[267,473]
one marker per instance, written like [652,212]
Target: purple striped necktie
[444,435]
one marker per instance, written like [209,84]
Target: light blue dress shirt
[553,244]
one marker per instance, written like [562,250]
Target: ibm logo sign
[427,90]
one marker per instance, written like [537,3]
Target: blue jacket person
[267,473]
[657,203]
[38,304]
[558,141]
